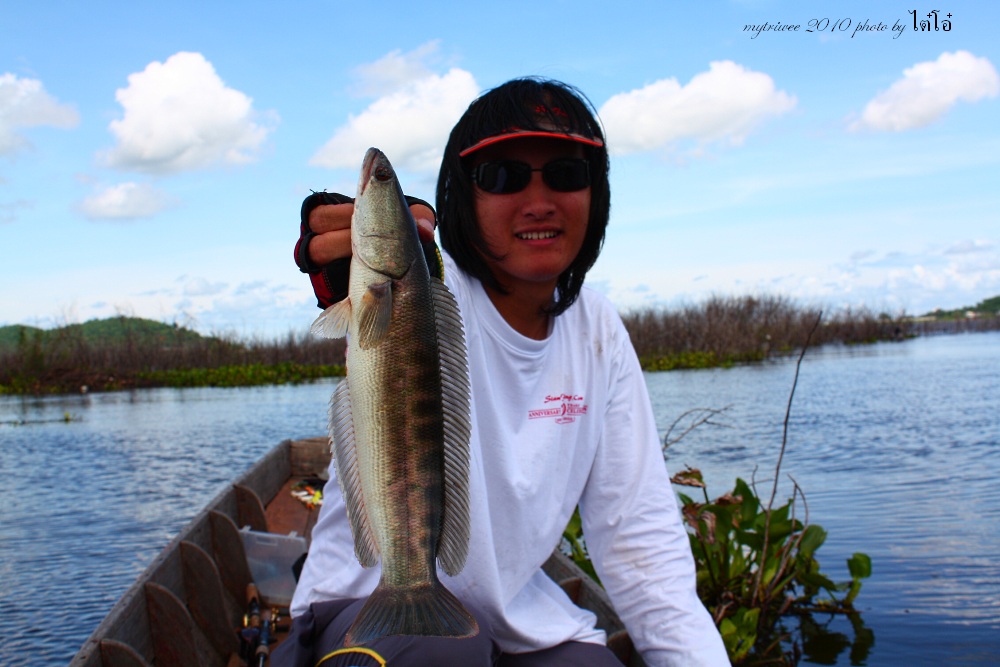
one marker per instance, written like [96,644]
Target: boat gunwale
[128,620]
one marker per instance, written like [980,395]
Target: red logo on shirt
[564,408]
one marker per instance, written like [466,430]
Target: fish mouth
[375,163]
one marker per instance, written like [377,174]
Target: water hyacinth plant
[756,565]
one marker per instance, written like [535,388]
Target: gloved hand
[324,246]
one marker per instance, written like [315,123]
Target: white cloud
[125,201]
[393,70]
[412,119]
[194,286]
[179,115]
[25,103]
[969,246]
[928,90]
[723,104]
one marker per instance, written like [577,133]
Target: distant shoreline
[131,353]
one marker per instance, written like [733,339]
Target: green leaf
[812,539]
[860,565]
[817,580]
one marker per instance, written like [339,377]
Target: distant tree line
[127,352]
[729,330]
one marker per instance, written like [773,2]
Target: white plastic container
[271,557]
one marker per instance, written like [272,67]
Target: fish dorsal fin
[334,321]
[375,312]
[453,547]
[346,460]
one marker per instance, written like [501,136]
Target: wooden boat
[191,604]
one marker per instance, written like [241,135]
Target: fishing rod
[260,627]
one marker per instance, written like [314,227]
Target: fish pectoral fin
[334,321]
[374,314]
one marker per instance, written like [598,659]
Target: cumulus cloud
[928,90]
[395,69]
[179,115]
[25,103]
[125,201]
[410,121]
[722,105]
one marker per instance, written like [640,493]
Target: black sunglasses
[508,176]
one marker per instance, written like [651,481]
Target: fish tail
[426,610]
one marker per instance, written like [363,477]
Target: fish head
[383,232]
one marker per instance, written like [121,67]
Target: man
[559,406]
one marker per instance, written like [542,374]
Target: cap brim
[518,134]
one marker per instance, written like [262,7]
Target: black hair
[526,104]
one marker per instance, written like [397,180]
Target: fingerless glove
[329,281]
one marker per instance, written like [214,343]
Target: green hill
[110,331]
[985,308]
[11,335]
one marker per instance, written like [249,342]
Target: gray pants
[317,640]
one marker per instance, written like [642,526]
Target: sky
[154,156]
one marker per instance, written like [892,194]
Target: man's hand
[332,225]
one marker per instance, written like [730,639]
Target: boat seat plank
[117,654]
[250,509]
[206,601]
[621,645]
[230,557]
[177,640]
[572,587]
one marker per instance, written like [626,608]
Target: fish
[400,421]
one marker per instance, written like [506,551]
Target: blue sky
[153,156]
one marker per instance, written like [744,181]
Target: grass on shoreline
[723,331]
[127,353]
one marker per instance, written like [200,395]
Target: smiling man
[561,417]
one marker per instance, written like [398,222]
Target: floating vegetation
[67,418]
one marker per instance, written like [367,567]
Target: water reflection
[824,644]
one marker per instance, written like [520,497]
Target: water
[896,446]
[85,506]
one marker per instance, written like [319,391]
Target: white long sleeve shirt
[556,422]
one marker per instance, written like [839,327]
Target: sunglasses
[508,176]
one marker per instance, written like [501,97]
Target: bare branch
[704,416]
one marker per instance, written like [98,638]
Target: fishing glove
[329,281]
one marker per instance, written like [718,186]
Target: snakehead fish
[400,420]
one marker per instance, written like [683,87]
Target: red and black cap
[544,128]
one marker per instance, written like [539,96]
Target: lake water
[896,446]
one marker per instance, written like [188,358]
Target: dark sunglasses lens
[567,175]
[502,177]
[509,176]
